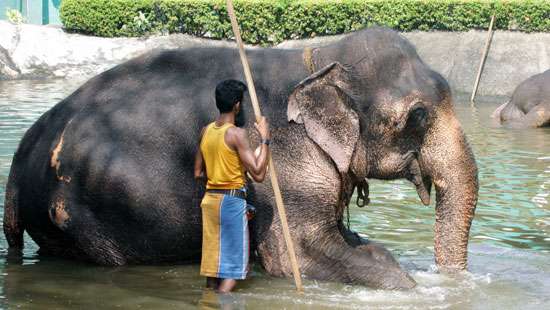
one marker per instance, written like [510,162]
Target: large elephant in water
[106,175]
[530,104]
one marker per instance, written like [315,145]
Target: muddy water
[509,252]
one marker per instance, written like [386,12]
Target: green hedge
[269,22]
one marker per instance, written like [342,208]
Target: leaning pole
[483,57]
[272,173]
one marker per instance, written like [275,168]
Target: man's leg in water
[227,285]
[213,283]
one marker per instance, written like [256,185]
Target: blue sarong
[225,240]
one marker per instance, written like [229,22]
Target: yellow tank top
[224,169]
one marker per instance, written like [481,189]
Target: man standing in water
[225,153]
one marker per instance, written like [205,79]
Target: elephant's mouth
[397,166]
[422,183]
[410,170]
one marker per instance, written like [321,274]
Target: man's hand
[263,128]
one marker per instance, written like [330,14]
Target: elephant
[106,175]
[529,105]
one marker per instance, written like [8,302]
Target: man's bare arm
[256,166]
[199,161]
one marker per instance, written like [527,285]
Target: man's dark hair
[228,93]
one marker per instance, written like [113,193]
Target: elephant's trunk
[449,161]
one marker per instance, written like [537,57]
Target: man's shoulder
[236,131]
[235,135]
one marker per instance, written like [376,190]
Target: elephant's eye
[417,118]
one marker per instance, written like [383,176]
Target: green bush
[14,16]
[270,22]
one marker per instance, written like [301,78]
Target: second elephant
[530,104]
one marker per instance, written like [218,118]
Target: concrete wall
[30,51]
[512,57]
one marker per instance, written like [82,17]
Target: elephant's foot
[329,256]
[15,255]
[367,263]
[381,255]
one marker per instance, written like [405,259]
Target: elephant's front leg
[350,259]
[325,254]
[378,251]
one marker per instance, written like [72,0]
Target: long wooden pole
[483,57]
[272,173]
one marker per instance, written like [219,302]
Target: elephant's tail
[13,228]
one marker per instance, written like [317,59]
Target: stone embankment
[30,51]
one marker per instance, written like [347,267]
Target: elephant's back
[155,106]
[149,111]
[169,94]
[532,91]
[118,106]
[138,125]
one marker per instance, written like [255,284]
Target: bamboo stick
[272,173]
[483,57]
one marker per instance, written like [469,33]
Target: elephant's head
[386,115]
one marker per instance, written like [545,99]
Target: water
[509,251]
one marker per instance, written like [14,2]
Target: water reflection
[541,198]
[497,281]
[49,284]
[211,300]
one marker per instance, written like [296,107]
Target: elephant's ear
[322,102]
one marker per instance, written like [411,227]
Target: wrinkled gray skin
[107,174]
[529,106]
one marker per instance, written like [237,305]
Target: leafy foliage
[14,16]
[272,21]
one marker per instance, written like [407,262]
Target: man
[225,153]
